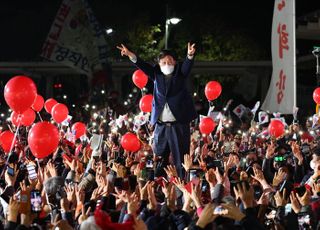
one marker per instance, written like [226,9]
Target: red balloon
[28,117]
[38,103]
[20,93]
[79,129]
[207,125]
[276,128]
[213,90]
[48,105]
[6,139]
[139,78]
[59,112]
[316,95]
[145,103]
[15,118]
[130,142]
[43,139]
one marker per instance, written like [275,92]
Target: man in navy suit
[172,105]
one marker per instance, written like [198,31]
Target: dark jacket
[176,94]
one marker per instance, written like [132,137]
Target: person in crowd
[172,107]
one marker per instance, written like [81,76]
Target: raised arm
[144,66]
[188,62]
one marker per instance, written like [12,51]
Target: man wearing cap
[172,105]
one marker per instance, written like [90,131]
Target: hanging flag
[76,39]
[281,96]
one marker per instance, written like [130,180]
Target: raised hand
[125,51]
[206,216]
[280,198]
[191,49]
[246,195]
[270,150]
[187,162]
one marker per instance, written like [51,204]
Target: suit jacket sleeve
[146,68]
[186,67]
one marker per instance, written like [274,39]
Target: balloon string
[142,93]
[40,116]
[11,147]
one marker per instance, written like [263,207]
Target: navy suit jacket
[175,94]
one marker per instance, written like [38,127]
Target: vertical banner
[281,96]
[76,39]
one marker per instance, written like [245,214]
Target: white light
[134,90]
[230,122]
[52,122]
[125,103]
[203,135]
[310,119]
[130,95]
[146,153]
[1,128]
[262,136]
[224,109]
[95,115]
[239,131]
[87,105]
[227,125]
[2,114]
[93,107]
[101,130]
[253,133]
[257,126]
[73,105]
[130,119]
[64,96]
[244,134]
[174,21]
[94,130]
[312,132]
[194,94]
[287,131]
[8,119]
[9,110]
[104,121]
[94,123]
[114,130]
[102,91]
[109,30]
[300,133]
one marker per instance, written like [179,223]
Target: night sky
[25,24]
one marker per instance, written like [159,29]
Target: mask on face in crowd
[312,165]
[167,69]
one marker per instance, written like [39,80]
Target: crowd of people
[179,175]
[235,178]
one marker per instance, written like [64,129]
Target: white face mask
[312,165]
[167,69]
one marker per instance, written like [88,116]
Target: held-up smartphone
[149,163]
[300,190]
[10,170]
[32,171]
[23,202]
[288,186]
[36,201]
[118,183]
[218,210]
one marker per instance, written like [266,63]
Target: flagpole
[294,54]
